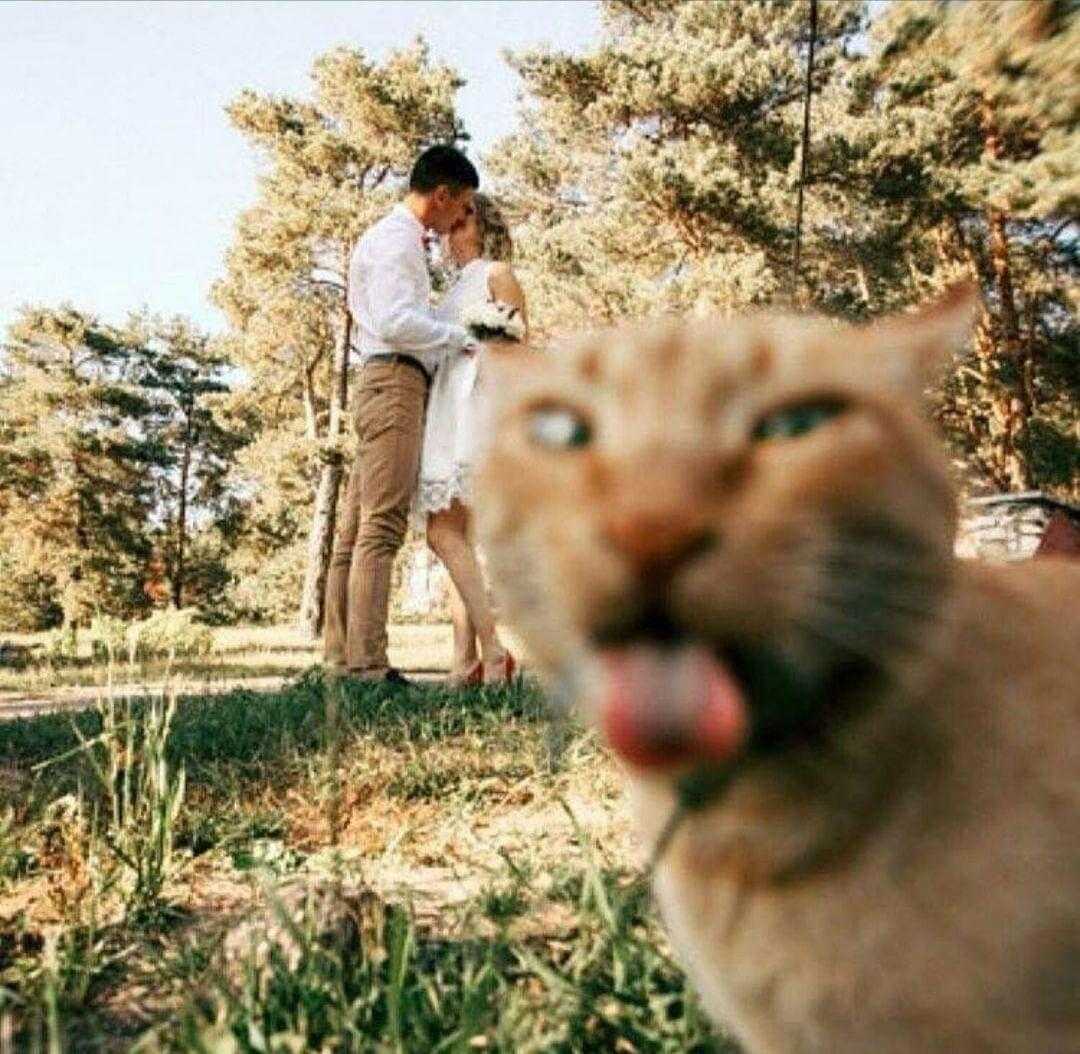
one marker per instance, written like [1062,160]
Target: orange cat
[732,541]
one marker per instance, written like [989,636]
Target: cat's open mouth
[668,700]
[663,706]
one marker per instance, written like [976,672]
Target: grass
[349,870]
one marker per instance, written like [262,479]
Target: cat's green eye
[797,420]
[558,428]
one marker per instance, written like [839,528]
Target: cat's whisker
[879,558]
[850,643]
[840,601]
[875,641]
[886,577]
[915,606]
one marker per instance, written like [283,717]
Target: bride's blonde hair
[493,230]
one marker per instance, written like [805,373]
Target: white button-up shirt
[390,294]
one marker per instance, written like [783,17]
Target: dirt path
[81,697]
[422,652]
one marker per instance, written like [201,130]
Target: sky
[120,178]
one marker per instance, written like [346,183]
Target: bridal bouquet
[488,319]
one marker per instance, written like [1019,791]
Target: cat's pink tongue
[662,707]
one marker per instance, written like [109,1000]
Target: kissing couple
[417,417]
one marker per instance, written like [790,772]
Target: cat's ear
[913,349]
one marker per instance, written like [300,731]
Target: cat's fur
[897,868]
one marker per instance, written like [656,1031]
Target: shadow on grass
[375,980]
[368,977]
[252,729]
[85,677]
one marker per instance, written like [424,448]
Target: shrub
[108,638]
[267,589]
[29,599]
[171,633]
[62,644]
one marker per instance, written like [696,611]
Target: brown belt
[396,356]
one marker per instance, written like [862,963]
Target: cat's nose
[656,544]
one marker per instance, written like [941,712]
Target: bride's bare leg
[465,654]
[448,536]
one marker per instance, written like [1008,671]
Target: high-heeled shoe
[469,678]
[502,671]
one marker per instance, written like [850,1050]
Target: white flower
[488,319]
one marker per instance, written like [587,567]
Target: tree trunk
[324,516]
[320,547]
[1003,285]
[864,286]
[1015,410]
[72,599]
[998,459]
[311,416]
[181,522]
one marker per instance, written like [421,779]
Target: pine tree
[195,495]
[672,151]
[116,458]
[983,99]
[75,463]
[658,172]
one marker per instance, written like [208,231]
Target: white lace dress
[450,430]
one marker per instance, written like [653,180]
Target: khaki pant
[389,430]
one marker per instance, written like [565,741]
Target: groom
[399,344]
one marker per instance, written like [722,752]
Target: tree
[672,151]
[116,457]
[195,496]
[335,164]
[986,99]
[75,463]
[658,172]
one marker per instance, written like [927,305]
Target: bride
[480,246]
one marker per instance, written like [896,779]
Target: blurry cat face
[726,529]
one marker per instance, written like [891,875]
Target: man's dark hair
[442,165]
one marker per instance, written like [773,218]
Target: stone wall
[1006,526]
